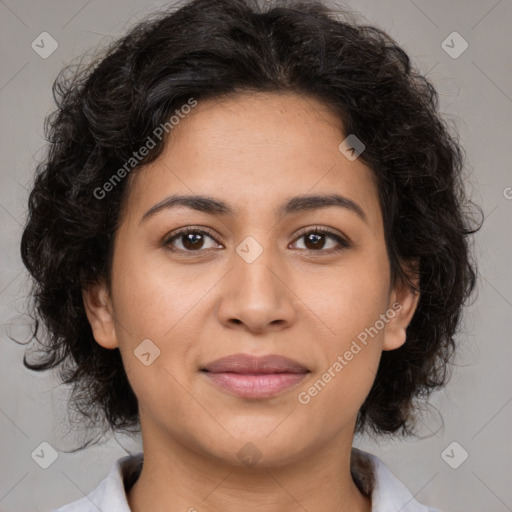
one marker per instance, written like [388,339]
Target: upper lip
[245,363]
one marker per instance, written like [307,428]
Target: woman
[248,239]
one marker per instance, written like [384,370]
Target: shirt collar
[388,494]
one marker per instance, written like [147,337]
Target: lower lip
[255,386]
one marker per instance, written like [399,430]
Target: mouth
[254,377]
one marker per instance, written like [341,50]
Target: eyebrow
[293,205]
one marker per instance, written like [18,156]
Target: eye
[315,241]
[191,240]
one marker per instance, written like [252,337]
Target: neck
[178,478]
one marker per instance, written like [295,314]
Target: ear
[403,302]
[98,308]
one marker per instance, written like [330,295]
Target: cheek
[349,302]
[349,297]
[153,297]
[164,304]
[351,355]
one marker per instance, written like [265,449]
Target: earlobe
[403,304]
[98,308]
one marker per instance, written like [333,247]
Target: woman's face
[257,283]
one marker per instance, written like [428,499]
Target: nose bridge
[256,294]
[257,267]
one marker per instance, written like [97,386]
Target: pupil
[192,239]
[314,239]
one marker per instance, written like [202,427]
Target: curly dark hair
[204,49]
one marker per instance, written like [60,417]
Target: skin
[253,151]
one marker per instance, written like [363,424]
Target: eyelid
[344,241]
[191,229]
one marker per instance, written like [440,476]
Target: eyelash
[343,244]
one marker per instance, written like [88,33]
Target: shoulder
[387,492]
[110,494]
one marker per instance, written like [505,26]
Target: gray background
[476,98]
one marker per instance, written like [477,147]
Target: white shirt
[387,495]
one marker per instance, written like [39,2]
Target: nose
[256,296]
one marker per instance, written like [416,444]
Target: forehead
[254,151]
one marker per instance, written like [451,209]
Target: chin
[259,449]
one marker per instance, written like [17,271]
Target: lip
[249,376]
